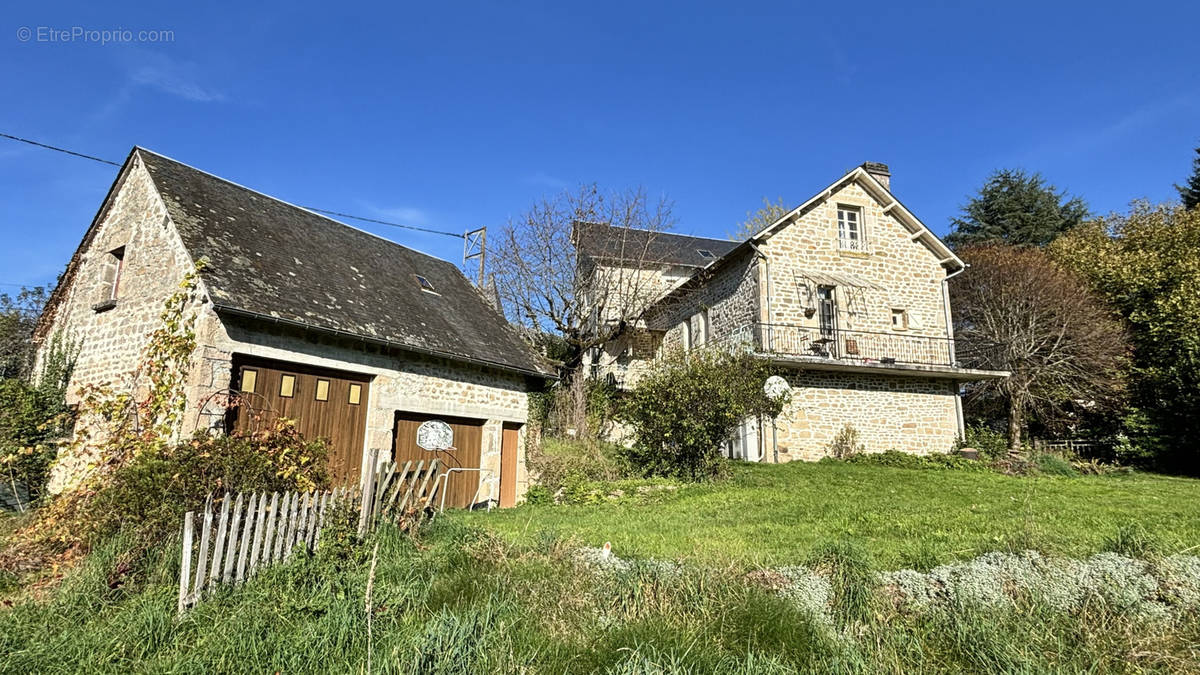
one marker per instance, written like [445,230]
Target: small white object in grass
[607,550]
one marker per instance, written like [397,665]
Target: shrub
[155,489]
[33,417]
[581,406]
[846,444]
[539,494]
[904,460]
[1054,465]
[561,461]
[687,407]
[991,444]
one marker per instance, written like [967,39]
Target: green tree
[18,316]
[757,221]
[687,406]
[33,418]
[1147,264]
[1190,193]
[1014,207]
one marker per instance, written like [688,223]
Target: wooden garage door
[468,440]
[326,404]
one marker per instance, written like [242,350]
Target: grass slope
[462,601]
[461,598]
[775,514]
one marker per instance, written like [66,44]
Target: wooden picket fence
[253,531]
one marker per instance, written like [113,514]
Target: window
[424,284]
[705,253]
[117,265]
[355,394]
[249,380]
[850,231]
[687,334]
[744,442]
[322,390]
[109,285]
[900,319]
[287,386]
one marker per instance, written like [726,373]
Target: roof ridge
[665,233]
[294,206]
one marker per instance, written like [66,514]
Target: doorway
[826,345]
[467,439]
[510,436]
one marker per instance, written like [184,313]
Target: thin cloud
[407,215]
[144,69]
[1098,137]
[545,180]
[177,78]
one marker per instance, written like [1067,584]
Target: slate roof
[610,242]
[274,260]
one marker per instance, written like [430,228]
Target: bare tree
[1017,310]
[582,265]
[757,221]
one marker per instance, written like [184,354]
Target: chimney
[880,172]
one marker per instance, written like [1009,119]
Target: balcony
[845,348]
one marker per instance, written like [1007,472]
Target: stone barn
[357,338]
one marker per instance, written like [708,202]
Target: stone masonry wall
[890,412]
[906,273]
[910,414]
[731,297]
[114,339]
[627,292]
[401,381]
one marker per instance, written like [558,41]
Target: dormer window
[850,228]
[424,284]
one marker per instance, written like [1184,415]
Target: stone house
[846,294]
[358,339]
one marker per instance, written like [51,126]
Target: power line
[310,208]
[57,149]
[384,222]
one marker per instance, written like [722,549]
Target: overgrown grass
[464,601]
[765,514]
[509,592]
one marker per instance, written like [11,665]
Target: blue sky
[454,115]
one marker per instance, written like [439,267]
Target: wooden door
[325,404]
[468,442]
[508,464]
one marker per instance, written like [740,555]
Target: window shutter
[108,274]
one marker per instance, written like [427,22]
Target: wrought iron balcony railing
[844,345]
[855,244]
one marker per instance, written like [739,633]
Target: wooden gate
[468,440]
[326,404]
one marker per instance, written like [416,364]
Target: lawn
[455,597]
[771,514]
